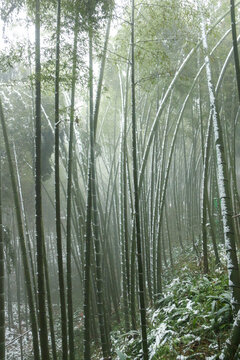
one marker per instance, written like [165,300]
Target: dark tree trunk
[2,291]
[57,194]
[43,332]
[136,204]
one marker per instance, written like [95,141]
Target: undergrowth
[191,319]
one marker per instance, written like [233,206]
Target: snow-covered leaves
[191,319]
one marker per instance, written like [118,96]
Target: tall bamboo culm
[2,291]
[136,200]
[223,186]
[57,194]
[43,331]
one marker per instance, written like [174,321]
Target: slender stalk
[49,303]
[69,193]
[133,279]
[224,187]
[136,201]
[28,240]
[232,343]
[169,241]
[18,281]
[87,272]
[57,194]
[43,332]
[205,195]
[235,45]
[96,228]
[100,80]
[2,275]
[122,209]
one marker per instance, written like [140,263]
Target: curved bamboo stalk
[165,181]
[224,187]
[166,96]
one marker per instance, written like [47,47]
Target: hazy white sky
[18,32]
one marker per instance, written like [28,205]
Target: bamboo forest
[119,179]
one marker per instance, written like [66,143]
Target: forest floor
[191,320]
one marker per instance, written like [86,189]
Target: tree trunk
[57,194]
[88,245]
[2,291]
[43,331]
[136,203]
[235,45]
[224,188]
[232,342]
[69,192]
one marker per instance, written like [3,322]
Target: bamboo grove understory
[119,151]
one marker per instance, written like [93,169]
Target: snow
[169,309]
[189,305]
[183,319]
[160,338]
[175,281]
[12,336]
[154,316]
